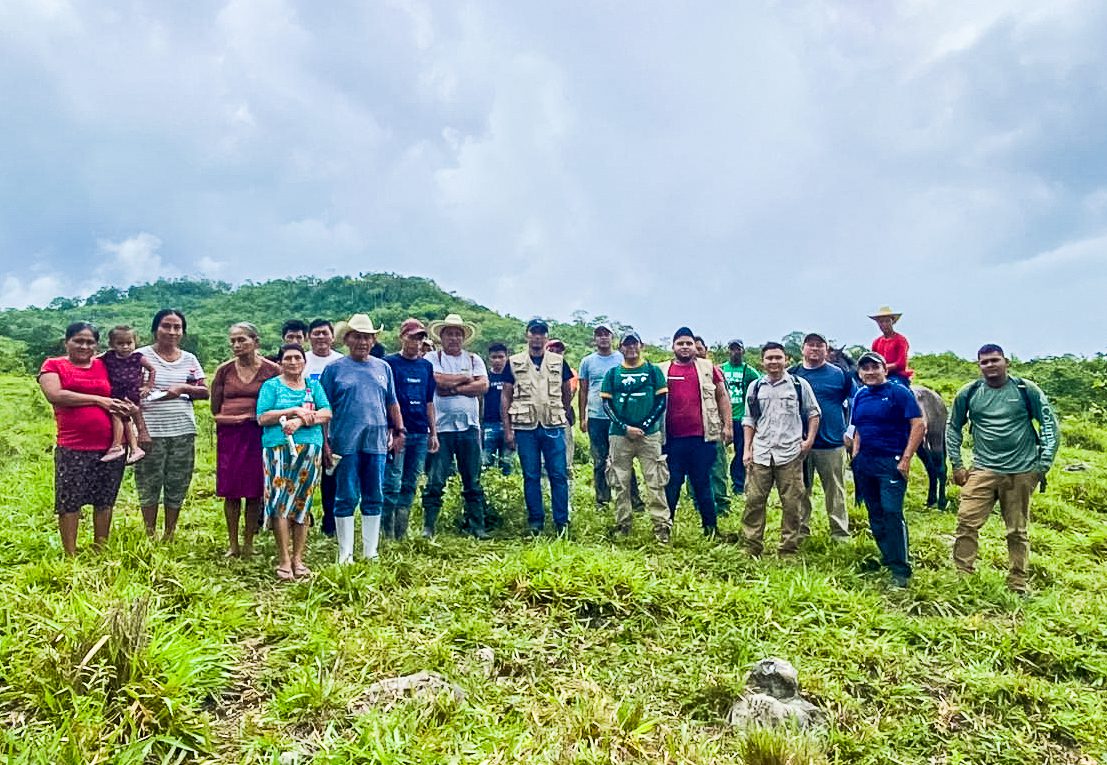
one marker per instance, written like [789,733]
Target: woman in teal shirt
[291,411]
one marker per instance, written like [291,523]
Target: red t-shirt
[83,428]
[894,350]
[683,417]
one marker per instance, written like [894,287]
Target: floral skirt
[290,480]
[80,478]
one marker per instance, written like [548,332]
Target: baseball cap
[553,344]
[601,328]
[871,356]
[631,337]
[815,337]
[412,327]
[538,327]
[734,342]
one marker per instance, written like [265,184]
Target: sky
[746,169]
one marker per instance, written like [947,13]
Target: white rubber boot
[370,535]
[344,530]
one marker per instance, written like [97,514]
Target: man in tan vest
[697,418]
[536,398]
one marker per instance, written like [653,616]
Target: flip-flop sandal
[285,574]
[301,570]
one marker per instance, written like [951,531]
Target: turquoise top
[274,394]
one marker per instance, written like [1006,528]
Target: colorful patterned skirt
[290,480]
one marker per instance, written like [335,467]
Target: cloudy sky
[745,168]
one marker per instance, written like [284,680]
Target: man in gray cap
[593,418]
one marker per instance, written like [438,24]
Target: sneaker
[532,532]
[428,532]
[113,453]
[662,535]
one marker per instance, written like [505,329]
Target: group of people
[364,426]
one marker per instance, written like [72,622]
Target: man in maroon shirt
[697,418]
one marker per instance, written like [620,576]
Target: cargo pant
[655,471]
[760,479]
[830,466]
[978,497]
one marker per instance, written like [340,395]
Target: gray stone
[775,677]
[772,699]
[387,693]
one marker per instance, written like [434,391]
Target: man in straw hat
[536,398]
[892,346]
[366,412]
[461,379]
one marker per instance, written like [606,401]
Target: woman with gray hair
[239,470]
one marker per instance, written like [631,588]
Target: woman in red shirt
[892,346]
[77,386]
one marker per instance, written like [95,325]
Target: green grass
[613,653]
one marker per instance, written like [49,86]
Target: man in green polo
[1009,458]
[739,376]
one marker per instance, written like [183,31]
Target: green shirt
[631,392]
[1004,439]
[738,379]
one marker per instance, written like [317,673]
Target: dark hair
[318,323]
[698,339]
[497,348]
[291,347]
[167,312]
[773,346]
[119,329]
[293,325]
[988,348]
[377,351]
[81,326]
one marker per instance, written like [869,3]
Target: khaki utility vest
[709,407]
[536,398]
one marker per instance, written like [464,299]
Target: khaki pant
[830,466]
[978,497]
[760,479]
[655,471]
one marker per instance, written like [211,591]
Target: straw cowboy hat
[359,322]
[452,320]
[886,311]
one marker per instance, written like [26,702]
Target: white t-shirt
[316,364]
[454,414]
[171,416]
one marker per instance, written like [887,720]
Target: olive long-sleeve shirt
[1004,440]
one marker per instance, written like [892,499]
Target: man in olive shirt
[1009,458]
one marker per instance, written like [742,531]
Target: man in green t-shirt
[739,376]
[633,395]
[1009,458]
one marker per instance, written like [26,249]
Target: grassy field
[621,653]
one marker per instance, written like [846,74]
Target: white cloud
[135,259]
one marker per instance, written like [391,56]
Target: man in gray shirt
[780,425]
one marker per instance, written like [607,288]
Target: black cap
[538,327]
[871,356]
[683,332]
[815,337]
[631,337]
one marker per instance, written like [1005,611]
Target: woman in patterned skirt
[239,475]
[77,386]
[291,411]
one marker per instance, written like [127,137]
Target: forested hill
[27,336]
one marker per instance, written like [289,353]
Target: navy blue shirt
[882,416]
[414,390]
[495,393]
[832,390]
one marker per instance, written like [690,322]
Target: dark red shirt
[683,416]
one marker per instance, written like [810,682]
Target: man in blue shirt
[414,379]
[827,457]
[363,398]
[887,427]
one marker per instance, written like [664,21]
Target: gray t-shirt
[454,414]
[592,368]
[360,393]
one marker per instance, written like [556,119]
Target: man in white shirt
[322,355]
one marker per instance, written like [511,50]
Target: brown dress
[239,470]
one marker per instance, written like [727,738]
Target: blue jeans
[495,452]
[534,447]
[464,447]
[737,467]
[692,457]
[359,479]
[401,474]
[882,487]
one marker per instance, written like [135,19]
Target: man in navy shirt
[492,427]
[888,427]
[414,379]
[827,457]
